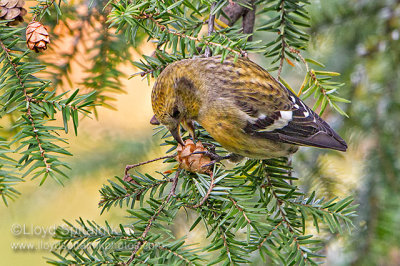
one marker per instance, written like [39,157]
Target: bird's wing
[286,118]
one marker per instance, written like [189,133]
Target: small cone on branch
[37,36]
[193,162]
[12,10]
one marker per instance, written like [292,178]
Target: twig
[28,108]
[127,195]
[234,12]
[282,40]
[46,6]
[305,258]
[211,21]
[228,252]
[279,203]
[269,234]
[175,254]
[241,210]
[284,218]
[249,18]
[164,28]
[309,71]
[149,71]
[174,184]
[282,57]
[129,167]
[127,178]
[289,163]
[212,185]
[297,52]
[33,100]
[153,218]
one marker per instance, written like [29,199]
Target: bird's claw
[213,156]
[210,146]
[210,163]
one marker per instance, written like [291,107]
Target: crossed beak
[175,132]
[189,126]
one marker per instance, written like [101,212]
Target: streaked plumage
[241,106]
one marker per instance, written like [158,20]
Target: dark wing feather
[304,128]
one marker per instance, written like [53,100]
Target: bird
[242,106]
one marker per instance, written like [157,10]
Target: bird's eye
[175,113]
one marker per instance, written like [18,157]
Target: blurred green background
[101,151]
[357,38]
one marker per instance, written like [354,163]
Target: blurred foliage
[32,103]
[31,100]
[362,42]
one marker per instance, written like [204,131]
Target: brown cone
[193,162]
[37,36]
[12,10]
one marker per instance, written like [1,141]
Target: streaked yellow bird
[241,106]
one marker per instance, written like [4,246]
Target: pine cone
[193,162]
[37,36]
[12,10]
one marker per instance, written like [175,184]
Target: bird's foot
[211,147]
[213,156]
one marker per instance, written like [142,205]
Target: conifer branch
[298,246]
[297,52]
[240,209]
[279,204]
[182,35]
[283,42]
[152,219]
[285,220]
[269,234]
[320,86]
[28,108]
[135,189]
[40,9]
[175,254]
[228,252]
[210,188]
[54,103]
[131,166]
[210,23]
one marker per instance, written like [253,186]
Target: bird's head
[174,101]
[171,118]
[167,110]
